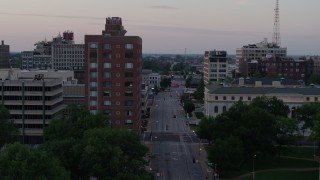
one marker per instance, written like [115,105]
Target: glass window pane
[107,65]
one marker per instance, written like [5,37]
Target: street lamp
[199,147]
[254,156]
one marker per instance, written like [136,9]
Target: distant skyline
[166,26]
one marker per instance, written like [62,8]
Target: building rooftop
[218,89]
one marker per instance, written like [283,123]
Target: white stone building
[219,98]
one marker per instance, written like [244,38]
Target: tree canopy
[88,147]
[188,106]
[19,161]
[199,93]
[8,131]
[247,129]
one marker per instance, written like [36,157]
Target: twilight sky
[166,26]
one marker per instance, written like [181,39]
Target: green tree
[21,162]
[113,154]
[286,130]
[228,154]
[307,113]
[165,82]
[88,147]
[314,79]
[273,105]
[63,137]
[205,128]
[199,93]
[188,81]
[188,106]
[8,132]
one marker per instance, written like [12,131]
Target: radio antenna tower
[276,28]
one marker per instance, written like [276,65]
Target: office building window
[93,93]
[224,98]
[224,109]
[93,103]
[216,97]
[107,84]
[93,74]
[93,45]
[128,93]
[93,84]
[129,65]
[93,65]
[106,93]
[107,75]
[128,84]
[107,55]
[128,103]
[107,112]
[107,46]
[93,55]
[128,122]
[128,113]
[107,103]
[129,46]
[216,109]
[107,65]
[128,55]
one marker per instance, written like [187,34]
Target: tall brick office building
[113,64]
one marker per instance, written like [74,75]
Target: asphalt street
[173,145]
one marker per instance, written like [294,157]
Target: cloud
[164,7]
[243,2]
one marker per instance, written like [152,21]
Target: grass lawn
[301,152]
[280,175]
[199,115]
[272,163]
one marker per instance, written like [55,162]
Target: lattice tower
[276,28]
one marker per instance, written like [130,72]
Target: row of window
[30,98]
[94,45]
[28,88]
[107,55]
[108,103]
[32,107]
[108,65]
[31,126]
[29,116]
[249,98]
[126,112]
[108,94]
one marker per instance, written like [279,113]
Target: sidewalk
[202,159]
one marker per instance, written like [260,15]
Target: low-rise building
[219,99]
[32,104]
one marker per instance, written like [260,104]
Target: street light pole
[199,147]
[254,156]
